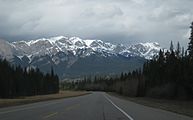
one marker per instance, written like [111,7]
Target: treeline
[170,74]
[129,84]
[167,75]
[16,81]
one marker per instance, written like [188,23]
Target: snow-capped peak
[54,39]
[75,39]
[88,42]
[153,45]
[147,50]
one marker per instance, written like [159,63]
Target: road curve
[95,106]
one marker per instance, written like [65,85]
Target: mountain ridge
[69,56]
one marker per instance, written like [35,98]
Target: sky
[117,21]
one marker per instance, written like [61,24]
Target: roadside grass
[38,98]
[176,106]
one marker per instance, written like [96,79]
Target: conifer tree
[190,45]
[171,47]
[178,50]
[183,52]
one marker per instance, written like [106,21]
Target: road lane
[96,106]
[121,110]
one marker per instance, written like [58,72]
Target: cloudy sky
[119,21]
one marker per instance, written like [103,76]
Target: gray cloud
[120,21]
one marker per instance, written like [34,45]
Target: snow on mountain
[6,50]
[88,42]
[147,50]
[82,48]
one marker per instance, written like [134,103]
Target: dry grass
[177,106]
[32,99]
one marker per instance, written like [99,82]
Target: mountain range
[74,57]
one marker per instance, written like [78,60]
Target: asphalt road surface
[95,106]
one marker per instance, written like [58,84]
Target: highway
[95,106]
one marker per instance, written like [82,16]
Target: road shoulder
[180,107]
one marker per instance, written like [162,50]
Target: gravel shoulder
[38,98]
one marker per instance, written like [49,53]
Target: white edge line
[122,111]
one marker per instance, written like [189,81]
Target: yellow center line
[50,115]
[55,113]
[72,107]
